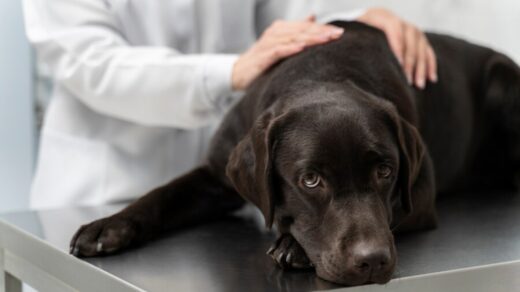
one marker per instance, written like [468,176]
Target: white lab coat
[139,87]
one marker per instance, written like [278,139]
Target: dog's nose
[371,260]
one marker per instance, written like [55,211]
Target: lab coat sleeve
[157,86]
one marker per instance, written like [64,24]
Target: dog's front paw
[103,236]
[288,253]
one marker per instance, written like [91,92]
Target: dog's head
[336,173]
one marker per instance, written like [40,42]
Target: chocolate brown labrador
[337,150]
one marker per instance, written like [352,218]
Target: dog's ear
[250,165]
[411,149]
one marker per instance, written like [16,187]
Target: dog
[340,153]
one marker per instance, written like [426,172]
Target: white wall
[16,121]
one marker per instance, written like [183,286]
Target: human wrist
[237,80]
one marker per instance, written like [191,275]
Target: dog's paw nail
[270,250]
[99,247]
[289,257]
[279,259]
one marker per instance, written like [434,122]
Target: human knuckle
[409,62]
[306,25]
[397,24]
[396,33]
[315,27]
[275,52]
[411,54]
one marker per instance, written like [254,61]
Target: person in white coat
[139,86]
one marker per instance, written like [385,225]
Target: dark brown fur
[342,110]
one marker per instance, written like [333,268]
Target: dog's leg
[288,253]
[196,197]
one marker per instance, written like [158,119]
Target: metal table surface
[229,255]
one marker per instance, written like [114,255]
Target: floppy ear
[411,155]
[250,165]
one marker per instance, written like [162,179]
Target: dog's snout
[371,260]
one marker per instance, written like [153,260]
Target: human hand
[280,40]
[409,44]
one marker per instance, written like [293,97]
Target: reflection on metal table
[475,248]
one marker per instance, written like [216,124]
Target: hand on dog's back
[280,40]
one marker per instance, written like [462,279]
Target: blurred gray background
[492,23]
[17,138]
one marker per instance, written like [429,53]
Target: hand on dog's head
[336,172]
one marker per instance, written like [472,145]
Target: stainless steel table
[475,248]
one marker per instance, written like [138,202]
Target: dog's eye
[384,171]
[311,180]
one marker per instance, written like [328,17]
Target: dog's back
[455,116]
[463,118]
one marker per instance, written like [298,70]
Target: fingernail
[288,258]
[279,258]
[338,31]
[420,83]
[325,37]
[335,33]
[434,78]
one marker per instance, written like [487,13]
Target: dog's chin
[346,278]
